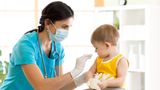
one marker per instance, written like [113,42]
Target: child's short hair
[105,33]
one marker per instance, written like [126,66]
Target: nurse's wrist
[75,72]
[80,80]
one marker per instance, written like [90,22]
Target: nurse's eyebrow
[65,26]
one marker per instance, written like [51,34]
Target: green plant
[2,69]
[116,20]
[0,52]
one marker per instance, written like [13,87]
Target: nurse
[36,60]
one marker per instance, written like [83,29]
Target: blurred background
[136,20]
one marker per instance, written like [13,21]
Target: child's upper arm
[122,68]
[93,68]
[91,71]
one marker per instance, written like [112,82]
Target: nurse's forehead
[66,22]
[69,25]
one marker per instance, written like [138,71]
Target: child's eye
[96,49]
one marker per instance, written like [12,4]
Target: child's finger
[99,76]
[100,85]
[95,75]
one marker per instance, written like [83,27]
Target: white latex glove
[93,83]
[80,63]
[80,79]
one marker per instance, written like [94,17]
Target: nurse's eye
[66,27]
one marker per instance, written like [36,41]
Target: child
[110,67]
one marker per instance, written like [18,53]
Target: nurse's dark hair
[55,11]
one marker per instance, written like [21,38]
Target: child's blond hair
[105,33]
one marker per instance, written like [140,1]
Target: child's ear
[107,44]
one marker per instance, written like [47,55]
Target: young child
[110,67]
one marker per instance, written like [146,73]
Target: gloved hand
[80,63]
[93,83]
[80,79]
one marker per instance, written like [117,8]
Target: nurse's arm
[70,86]
[59,70]
[35,77]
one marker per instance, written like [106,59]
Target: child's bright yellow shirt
[108,67]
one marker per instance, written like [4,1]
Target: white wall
[153,56]
[153,2]
[16,18]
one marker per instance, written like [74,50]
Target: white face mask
[60,34]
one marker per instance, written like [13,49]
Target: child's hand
[105,77]
[102,84]
[98,76]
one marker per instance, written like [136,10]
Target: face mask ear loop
[53,25]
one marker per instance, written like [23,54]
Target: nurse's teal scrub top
[27,51]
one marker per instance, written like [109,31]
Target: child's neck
[111,55]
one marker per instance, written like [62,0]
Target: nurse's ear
[47,23]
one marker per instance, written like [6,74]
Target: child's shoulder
[121,56]
[98,59]
[123,59]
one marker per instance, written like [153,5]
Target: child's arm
[91,71]
[122,68]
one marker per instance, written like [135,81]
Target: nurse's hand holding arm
[35,77]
